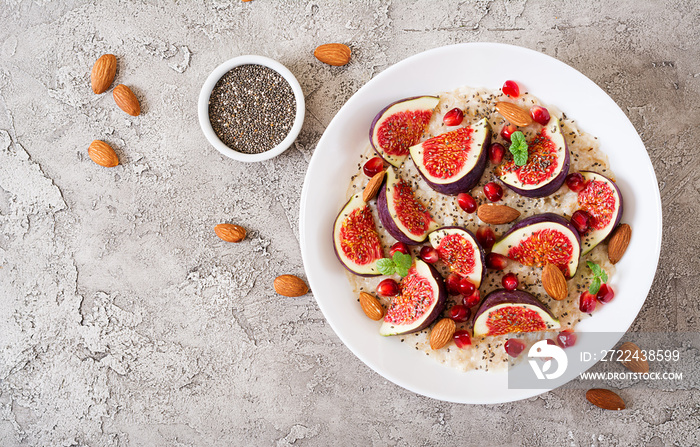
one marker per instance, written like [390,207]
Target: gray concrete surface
[125,321]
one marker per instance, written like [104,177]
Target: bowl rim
[208,87]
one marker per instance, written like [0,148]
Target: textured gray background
[125,321]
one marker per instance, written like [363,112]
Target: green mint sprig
[518,147]
[599,277]
[399,263]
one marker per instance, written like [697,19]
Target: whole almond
[605,399]
[617,245]
[290,285]
[333,54]
[103,72]
[371,306]
[633,358]
[103,154]
[554,282]
[373,186]
[514,113]
[442,333]
[230,232]
[126,100]
[497,214]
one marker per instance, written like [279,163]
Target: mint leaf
[600,276]
[403,263]
[603,276]
[595,268]
[595,286]
[386,266]
[518,147]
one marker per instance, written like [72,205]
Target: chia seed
[252,108]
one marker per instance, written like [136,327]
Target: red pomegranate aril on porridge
[511,89]
[472,300]
[566,339]
[540,114]
[429,254]
[605,294]
[400,247]
[496,153]
[494,261]
[388,287]
[493,191]
[486,237]
[462,339]
[575,182]
[587,302]
[467,202]
[514,347]
[581,220]
[507,131]
[452,283]
[466,287]
[373,166]
[454,117]
[510,281]
[460,313]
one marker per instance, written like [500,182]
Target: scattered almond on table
[103,72]
[605,399]
[126,100]
[103,154]
[335,54]
[636,360]
[290,285]
[230,232]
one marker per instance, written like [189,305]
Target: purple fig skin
[469,180]
[544,217]
[388,222]
[440,303]
[551,186]
[503,296]
[619,195]
[379,115]
[482,257]
[335,249]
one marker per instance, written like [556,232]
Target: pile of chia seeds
[252,108]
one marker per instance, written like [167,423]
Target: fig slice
[399,126]
[453,162]
[602,199]
[355,239]
[459,250]
[505,312]
[540,240]
[547,164]
[401,213]
[420,301]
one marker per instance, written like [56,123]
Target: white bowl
[203,107]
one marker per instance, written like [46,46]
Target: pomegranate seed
[400,247]
[373,166]
[605,294]
[452,283]
[486,237]
[460,313]
[466,287]
[510,281]
[496,153]
[507,131]
[493,191]
[540,114]
[462,339]
[581,220]
[586,302]
[453,118]
[514,347]
[429,254]
[566,339]
[466,202]
[388,287]
[575,182]
[511,89]
[472,300]
[494,261]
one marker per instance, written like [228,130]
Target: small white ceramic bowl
[203,107]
